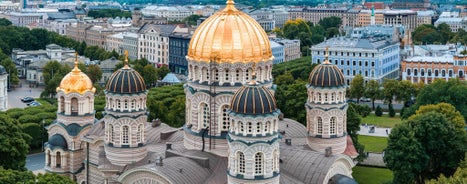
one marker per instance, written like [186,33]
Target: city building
[138,19]
[130,44]
[411,4]
[170,12]
[3,88]
[95,32]
[315,14]
[276,16]
[425,17]
[291,49]
[233,132]
[153,43]
[374,57]
[277,52]
[107,66]
[178,49]
[23,19]
[407,18]
[455,23]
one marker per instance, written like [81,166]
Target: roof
[447,58]
[253,100]
[57,140]
[377,42]
[164,30]
[326,75]
[170,78]
[126,80]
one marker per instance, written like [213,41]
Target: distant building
[455,23]
[178,49]
[107,66]
[277,52]
[375,58]
[411,4]
[425,17]
[291,49]
[3,88]
[153,43]
[26,18]
[426,69]
[315,14]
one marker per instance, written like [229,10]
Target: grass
[373,144]
[371,175]
[384,121]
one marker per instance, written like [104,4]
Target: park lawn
[373,144]
[384,121]
[371,175]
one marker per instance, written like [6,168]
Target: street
[35,162]
[15,95]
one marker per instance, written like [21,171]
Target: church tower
[253,137]
[64,151]
[221,56]
[326,109]
[372,14]
[126,116]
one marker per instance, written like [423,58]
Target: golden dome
[230,36]
[76,81]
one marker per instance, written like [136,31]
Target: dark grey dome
[57,140]
[253,99]
[326,75]
[125,80]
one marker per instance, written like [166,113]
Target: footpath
[374,159]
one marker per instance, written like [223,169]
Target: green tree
[378,111]
[353,126]
[428,144]
[357,88]
[94,72]
[53,72]
[15,176]
[459,177]
[36,132]
[177,112]
[52,178]
[5,22]
[192,19]
[445,32]
[298,29]
[149,74]
[10,68]
[392,113]
[13,144]
[329,22]
[291,98]
[284,79]
[389,90]
[162,72]
[372,91]
[405,91]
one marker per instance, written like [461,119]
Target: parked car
[34,104]
[27,99]
[351,101]
[363,99]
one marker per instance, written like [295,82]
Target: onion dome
[326,75]
[230,36]
[126,80]
[253,99]
[76,81]
[57,140]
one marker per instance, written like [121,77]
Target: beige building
[314,15]
[93,33]
[364,17]
[291,49]
[153,43]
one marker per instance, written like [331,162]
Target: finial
[230,6]
[253,74]
[126,57]
[76,59]
[326,56]
[230,2]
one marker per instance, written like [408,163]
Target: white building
[170,12]
[3,89]
[277,52]
[455,23]
[153,43]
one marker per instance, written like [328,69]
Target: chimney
[328,152]
[156,122]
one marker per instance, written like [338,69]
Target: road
[395,105]
[16,94]
[35,162]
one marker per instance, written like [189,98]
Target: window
[139,134]
[250,127]
[225,118]
[408,72]
[242,127]
[133,104]
[415,72]
[275,161]
[226,75]
[436,73]
[332,128]
[241,162]
[259,163]
[320,125]
[125,133]
[118,104]
[205,115]
[443,73]
[58,159]
[266,126]
[422,72]
[319,97]
[372,63]
[332,97]
[429,72]
[325,97]
[461,74]
[450,73]
[111,133]
[237,77]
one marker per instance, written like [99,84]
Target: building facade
[153,43]
[3,88]
[375,58]
[178,49]
[277,52]
[426,69]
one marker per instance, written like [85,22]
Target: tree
[357,88]
[459,177]
[35,131]
[149,74]
[284,79]
[389,90]
[192,19]
[353,126]
[53,72]
[162,71]
[329,22]
[5,22]
[378,111]
[429,143]
[372,91]
[298,29]
[10,68]
[291,98]
[177,112]
[392,113]
[94,72]
[13,144]
[405,91]
[15,176]
[52,178]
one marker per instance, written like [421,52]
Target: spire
[372,14]
[230,6]
[126,60]
[326,56]
[76,69]
[253,75]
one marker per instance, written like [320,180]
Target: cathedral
[234,132]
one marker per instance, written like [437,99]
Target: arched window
[225,118]
[111,133]
[333,97]
[62,104]
[58,159]
[325,97]
[226,72]
[250,127]
[241,163]
[248,74]
[48,158]
[259,163]
[332,127]
[133,104]
[258,127]
[216,75]
[74,106]
[242,127]
[204,116]
[139,135]
[319,97]
[319,125]
[118,104]
[267,125]
[339,97]
[125,134]
[461,74]
[408,72]
[125,105]
[436,73]
[443,73]
[237,75]
[415,72]
[422,72]
[450,73]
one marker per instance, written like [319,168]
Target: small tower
[126,116]
[64,152]
[3,88]
[326,109]
[253,138]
